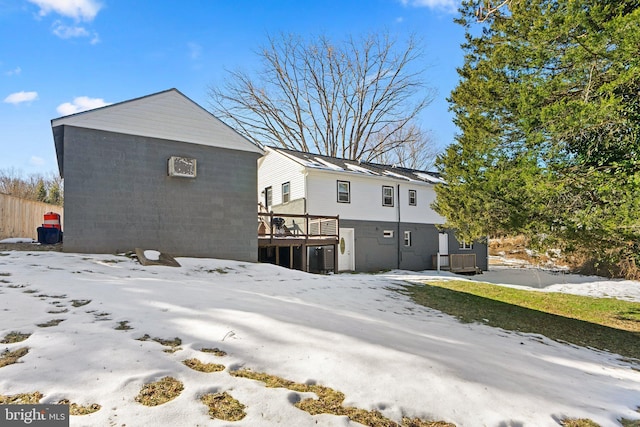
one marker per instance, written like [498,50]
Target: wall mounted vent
[182,167]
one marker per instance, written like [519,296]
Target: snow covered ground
[350,332]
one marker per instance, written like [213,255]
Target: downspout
[399,257]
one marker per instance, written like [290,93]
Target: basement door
[443,249]
[346,260]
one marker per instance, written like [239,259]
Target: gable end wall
[118,196]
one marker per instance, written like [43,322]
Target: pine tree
[549,111]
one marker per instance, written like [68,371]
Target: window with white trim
[268,197]
[387,195]
[407,238]
[344,192]
[413,198]
[286,192]
[466,246]
[387,233]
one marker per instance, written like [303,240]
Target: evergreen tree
[549,111]
[55,194]
[41,191]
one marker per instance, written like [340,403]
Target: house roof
[164,115]
[334,164]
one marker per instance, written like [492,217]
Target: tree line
[37,187]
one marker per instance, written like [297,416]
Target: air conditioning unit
[182,167]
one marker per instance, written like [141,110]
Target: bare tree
[354,100]
[32,187]
[417,151]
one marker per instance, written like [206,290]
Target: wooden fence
[21,217]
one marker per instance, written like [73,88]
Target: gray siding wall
[118,196]
[374,252]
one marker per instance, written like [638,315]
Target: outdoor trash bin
[49,235]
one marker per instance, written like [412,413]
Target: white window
[413,198]
[344,192]
[268,197]
[387,233]
[387,195]
[286,192]
[407,238]
[466,246]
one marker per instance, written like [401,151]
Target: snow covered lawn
[353,333]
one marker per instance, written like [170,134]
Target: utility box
[322,259]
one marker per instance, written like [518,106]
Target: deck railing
[303,226]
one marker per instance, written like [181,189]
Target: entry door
[443,248]
[346,260]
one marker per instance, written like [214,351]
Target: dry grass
[54,322]
[13,337]
[160,392]
[21,399]
[80,302]
[75,409]
[224,407]
[330,401]
[578,422]
[200,366]
[123,326]
[215,351]
[10,357]
[173,344]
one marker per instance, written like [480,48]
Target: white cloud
[79,104]
[15,72]
[447,5]
[65,32]
[19,97]
[36,161]
[82,10]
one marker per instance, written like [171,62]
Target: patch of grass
[21,399]
[51,296]
[54,322]
[63,310]
[173,344]
[123,326]
[216,351]
[224,407]
[15,286]
[30,291]
[10,357]
[200,366]
[75,409]
[5,274]
[4,281]
[330,401]
[584,321]
[13,337]
[159,392]
[80,302]
[578,422]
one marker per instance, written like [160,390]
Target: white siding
[274,170]
[422,213]
[165,115]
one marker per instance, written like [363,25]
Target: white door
[346,260]
[443,249]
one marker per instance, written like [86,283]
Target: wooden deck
[288,239]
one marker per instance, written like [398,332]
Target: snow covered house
[157,172]
[384,212]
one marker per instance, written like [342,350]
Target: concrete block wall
[118,196]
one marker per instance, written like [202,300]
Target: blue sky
[63,56]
